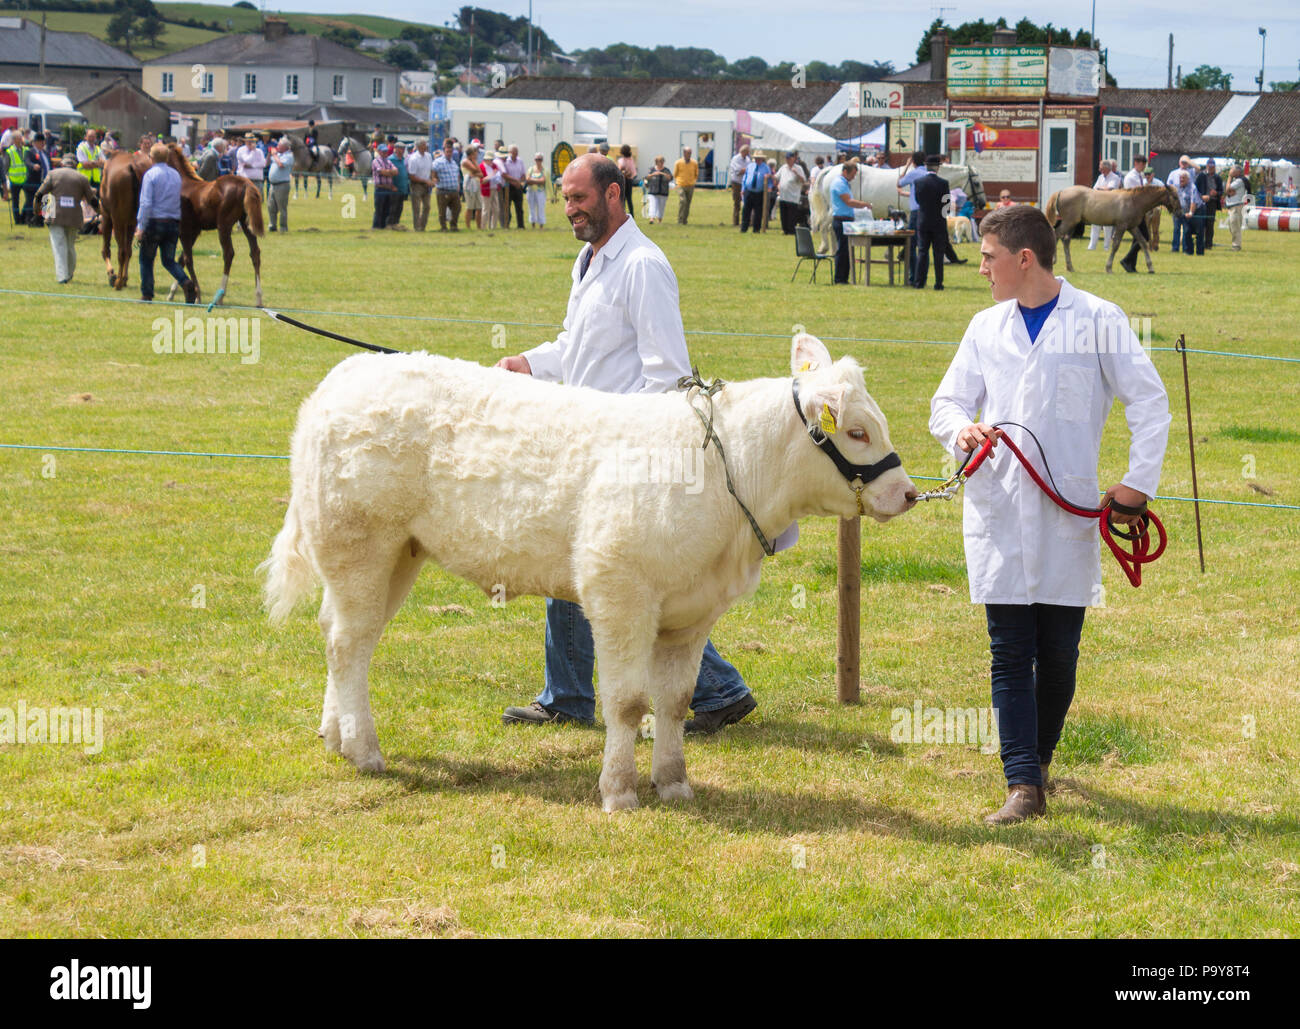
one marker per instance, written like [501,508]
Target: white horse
[362,158]
[879,188]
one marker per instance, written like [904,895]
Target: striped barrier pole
[1272,219]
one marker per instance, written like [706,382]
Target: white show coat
[623,329]
[1020,547]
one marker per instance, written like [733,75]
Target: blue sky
[1136,34]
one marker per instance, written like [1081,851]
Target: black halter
[865,473]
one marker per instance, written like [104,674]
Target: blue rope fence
[285,457]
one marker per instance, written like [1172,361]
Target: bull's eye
[859,434]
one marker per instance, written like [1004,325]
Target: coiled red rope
[1132,559]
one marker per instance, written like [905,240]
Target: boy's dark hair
[1022,227]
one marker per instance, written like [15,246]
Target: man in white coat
[1108,179]
[1051,358]
[622,334]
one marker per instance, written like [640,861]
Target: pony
[1123,208]
[218,205]
[119,199]
[305,164]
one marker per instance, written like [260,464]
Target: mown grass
[1179,759]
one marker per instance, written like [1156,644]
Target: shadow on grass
[1170,820]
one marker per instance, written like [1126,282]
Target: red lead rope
[1130,560]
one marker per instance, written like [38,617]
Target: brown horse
[119,198]
[218,205]
[1123,208]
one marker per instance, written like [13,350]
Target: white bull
[879,188]
[527,487]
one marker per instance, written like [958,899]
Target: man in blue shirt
[754,185]
[158,223]
[1190,205]
[402,183]
[446,178]
[842,205]
[279,177]
[912,173]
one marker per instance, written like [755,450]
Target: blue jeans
[1181,226]
[571,659]
[1194,232]
[1035,649]
[160,237]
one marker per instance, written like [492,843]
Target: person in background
[931,199]
[535,183]
[279,177]
[419,168]
[158,223]
[512,171]
[1153,216]
[751,211]
[656,185]
[1210,186]
[445,174]
[39,165]
[265,146]
[17,157]
[1175,179]
[382,174]
[1190,204]
[208,165]
[90,159]
[769,192]
[401,183]
[70,190]
[489,178]
[1034,567]
[1004,200]
[1235,202]
[249,160]
[736,169]
[1135,178]
[500,186]
[908,176]
[472,173]
[685,173]
[627,165]
[842,206]
[791,181]
[1107,180]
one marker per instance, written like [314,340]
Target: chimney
[1004,37]
[274,29]
[938,55]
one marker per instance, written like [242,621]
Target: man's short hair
[604,174]
[1022,227]
[158,153]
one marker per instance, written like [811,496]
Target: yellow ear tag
[806,366]
[828,421]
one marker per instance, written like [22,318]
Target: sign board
[437,108]
[1073,73]
[875,100]
[997,72]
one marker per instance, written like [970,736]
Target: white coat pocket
[603,328]
[1074,393]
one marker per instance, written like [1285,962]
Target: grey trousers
[63,241]
[277,205]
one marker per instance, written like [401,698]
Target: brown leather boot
[1023,801]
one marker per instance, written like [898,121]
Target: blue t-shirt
[910,180]
[840,190]
[1035,316]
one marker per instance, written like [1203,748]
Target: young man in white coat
[1051,358]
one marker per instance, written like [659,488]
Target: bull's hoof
[620,802]
[675,791]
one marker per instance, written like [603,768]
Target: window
[168,83]
[209,84]
[250,85]
[291,87]
[1058,150]
[339,92]
[376,91]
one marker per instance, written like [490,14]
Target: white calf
[535,488]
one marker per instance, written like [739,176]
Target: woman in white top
[535,184]
[790,182]
[656,189]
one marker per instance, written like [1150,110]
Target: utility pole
[530,37]
[1263,38]
[1170,84]
[1178,80]
[469,78]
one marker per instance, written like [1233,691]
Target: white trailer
[535,126]
[651,131]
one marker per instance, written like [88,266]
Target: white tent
[775,133]
[873,140]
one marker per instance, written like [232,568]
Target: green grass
[1179,758]
[173,38]
[1255,434]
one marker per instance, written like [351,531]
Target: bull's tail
[1052,216]
[817,209]
[253,207]
[288,571]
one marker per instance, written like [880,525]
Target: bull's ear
[824,406]
[808,354]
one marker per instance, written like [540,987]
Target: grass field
[213,810]
[173,38]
